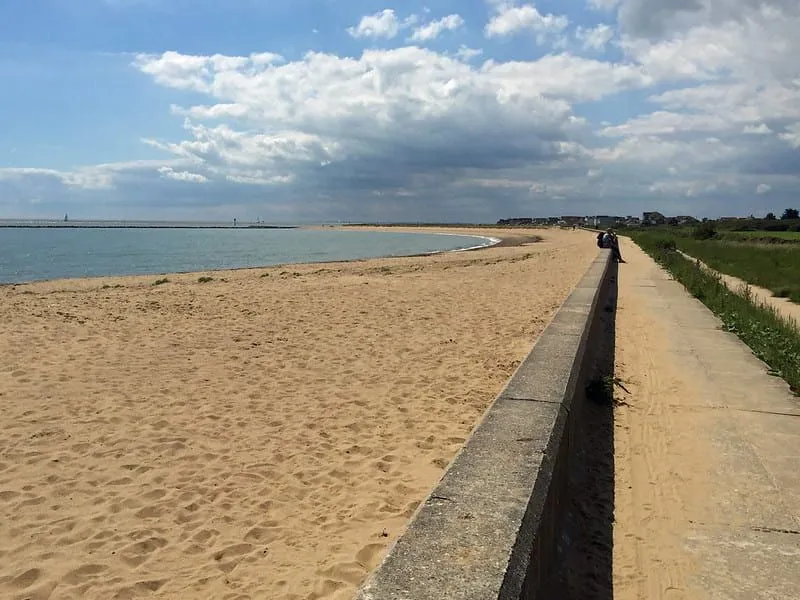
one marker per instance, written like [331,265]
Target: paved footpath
[707,453]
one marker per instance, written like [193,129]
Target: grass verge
[774,266]
[771,339]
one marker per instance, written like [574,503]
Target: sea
[35,251]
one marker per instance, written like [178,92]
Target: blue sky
[467,111]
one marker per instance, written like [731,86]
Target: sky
[362,110]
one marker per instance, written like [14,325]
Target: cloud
[757,129]
[382,24]
[260,178]
[792,135]
[100,177]
[465,53]
[325,108]
[763,188]
[595,38]
[512,19]
[188,72]
[432,30]
[657,19]
[603,4]
[475,133]
[169,173]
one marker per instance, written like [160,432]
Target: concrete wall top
[474,536]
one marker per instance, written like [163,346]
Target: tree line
[788,214]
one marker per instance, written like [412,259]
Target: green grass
[785,235]
[762,237]
[771,339]
[775,267]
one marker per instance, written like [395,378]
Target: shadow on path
[586,543]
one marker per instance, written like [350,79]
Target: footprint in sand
[349,572]
[137,553]
[326,589]
[150,512]
[368,555]
[26,579]
[140,589]
[228,558]
[84,573]
[263,535]
[232,551]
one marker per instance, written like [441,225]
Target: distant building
[606,221]
[572,220]
[686,220]
[516,221]
[653,218]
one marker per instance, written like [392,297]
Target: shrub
[665,244]
[204,279]
[601,391]
[704,231]
[161,281]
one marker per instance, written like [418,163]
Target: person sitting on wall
[610,240]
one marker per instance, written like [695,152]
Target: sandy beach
[265,434]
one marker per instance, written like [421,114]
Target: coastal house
[606,221]
[653,218]
[572,220]
[516,221]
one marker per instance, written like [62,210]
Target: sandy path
[706,450]
[254,436]
[787,309]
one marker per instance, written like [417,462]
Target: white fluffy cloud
[792,135]
[389,132]
[383,24]
[757,129]
[169,173]
[735,96]
[432,30]
[595,38]
[511,19]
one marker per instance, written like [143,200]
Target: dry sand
[254,436]
[662,448]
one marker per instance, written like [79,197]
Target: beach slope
[264,434]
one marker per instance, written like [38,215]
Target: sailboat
[66,217]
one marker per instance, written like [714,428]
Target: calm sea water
[29,254]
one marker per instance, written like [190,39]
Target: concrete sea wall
[497,524]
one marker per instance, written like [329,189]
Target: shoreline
[511,238]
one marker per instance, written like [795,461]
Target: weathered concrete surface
[490,528]
[708,453]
